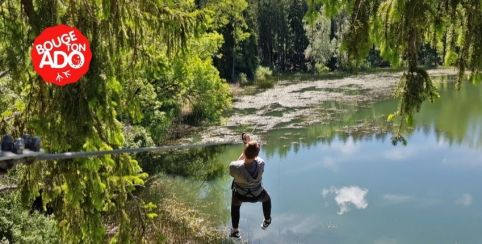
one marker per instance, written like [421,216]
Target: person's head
[251,150]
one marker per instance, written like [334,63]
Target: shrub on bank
[17,225]
[263,77]
[263,73]
[243,79]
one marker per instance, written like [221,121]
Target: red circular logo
[61,55]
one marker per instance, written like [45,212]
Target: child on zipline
[247,172]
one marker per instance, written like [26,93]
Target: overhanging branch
[3,73]
[9,187]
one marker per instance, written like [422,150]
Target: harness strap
[249,191]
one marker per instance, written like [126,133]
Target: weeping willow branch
[401,28]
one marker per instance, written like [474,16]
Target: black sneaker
[266,223]
[235,234]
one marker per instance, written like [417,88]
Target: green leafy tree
[400,28]
[282,39]
[134,77]
[229,20]
[298,39]
[321,47]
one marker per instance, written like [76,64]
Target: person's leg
[266,200]
[235,210]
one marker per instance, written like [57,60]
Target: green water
[329,186]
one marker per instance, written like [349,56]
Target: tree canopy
[401,28]
[152,60]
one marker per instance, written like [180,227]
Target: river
[343,181]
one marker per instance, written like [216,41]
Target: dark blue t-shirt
[253,169]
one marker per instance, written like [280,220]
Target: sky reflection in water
[365,190]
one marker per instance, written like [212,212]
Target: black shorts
[237,198]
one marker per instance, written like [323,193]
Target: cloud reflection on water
[398,153]
[464,200]
[397,199]
[347,196]
[346,148]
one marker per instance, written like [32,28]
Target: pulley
[18,145]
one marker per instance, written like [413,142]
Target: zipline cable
[28,148]
[28,154]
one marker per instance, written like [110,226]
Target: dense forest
[159,65]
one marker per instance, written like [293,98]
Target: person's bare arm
[241,157]
[246,139]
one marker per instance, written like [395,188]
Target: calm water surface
[329,187]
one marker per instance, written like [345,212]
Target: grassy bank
[181,214]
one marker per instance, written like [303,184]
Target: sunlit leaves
[132,42]
[312,13]
[320,47]
[415,87]
[401,28]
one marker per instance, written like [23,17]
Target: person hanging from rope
[247,172]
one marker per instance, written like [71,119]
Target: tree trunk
[31,15]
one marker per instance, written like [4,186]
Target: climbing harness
[247,192]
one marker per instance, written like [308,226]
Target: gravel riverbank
[295,104]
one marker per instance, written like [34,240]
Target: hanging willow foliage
[125,36]
[400,28]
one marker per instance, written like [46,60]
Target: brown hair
[252,150]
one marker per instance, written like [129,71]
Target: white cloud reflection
[397,199]
[398,153]
[329,163]
[347,196]
[464,200]
[347,148]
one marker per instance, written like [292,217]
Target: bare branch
[3,73]
[7,188]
